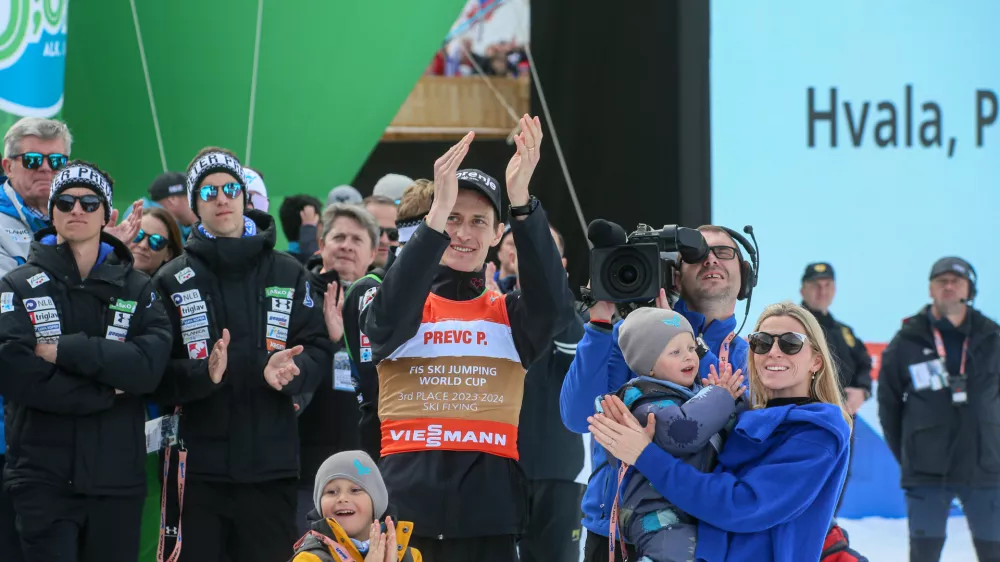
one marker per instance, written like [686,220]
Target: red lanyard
[181,476]
[940,351]
[724,349]
[613,531]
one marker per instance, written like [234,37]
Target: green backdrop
[330,77]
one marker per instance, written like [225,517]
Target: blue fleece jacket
[774,491]
[599,368]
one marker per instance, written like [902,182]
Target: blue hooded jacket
[599,368]
[774,491]
[35,223]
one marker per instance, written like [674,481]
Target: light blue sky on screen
[881,216]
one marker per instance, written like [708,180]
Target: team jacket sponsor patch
[193,308]
[36,280]
[186,297]
[39,303]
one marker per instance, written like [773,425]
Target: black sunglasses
[89,203]
[211,192]
[392,232]
[789,343]
[723,252]
[33,160]
[156,242]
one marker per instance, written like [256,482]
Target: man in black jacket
[328,423]
[451,358]
[82,338]
[551,455]
[231,289]
[939,404]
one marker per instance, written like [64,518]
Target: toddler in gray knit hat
[660,344]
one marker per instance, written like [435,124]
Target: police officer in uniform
[939,404]
[82,338]
[854,364]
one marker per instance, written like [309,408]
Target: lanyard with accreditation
[956,383]
[724,349]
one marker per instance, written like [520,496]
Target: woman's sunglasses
[392,232]
[789,343]
[211,192]
[156,242]
[66,202]
[33,160]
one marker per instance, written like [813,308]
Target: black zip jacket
[854,364]
[328,424]
[456,494]
[358,298]
[547,449]
[240,430]
[66,426]
[935,441]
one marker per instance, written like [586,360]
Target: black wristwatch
[524,210]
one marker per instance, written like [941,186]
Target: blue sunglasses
[156,242]
[211,192]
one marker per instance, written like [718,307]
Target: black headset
[748,268]
[973,280]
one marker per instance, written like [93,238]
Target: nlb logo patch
[33,57]
[186,297]
[40,303]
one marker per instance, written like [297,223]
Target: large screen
[865,134]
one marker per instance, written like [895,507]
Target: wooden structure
[445,108]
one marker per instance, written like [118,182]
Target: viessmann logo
[32,56]
[435,435]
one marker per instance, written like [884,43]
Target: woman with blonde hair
[779,474]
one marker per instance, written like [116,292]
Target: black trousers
[499,548]
[10,544]
[596,549]
[554,527]
[244,522]
[927,510]
[55,525]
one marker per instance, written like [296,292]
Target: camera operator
[709,291]
[939,404]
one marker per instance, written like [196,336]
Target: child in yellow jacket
[351,497]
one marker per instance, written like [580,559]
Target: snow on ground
[885,540]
